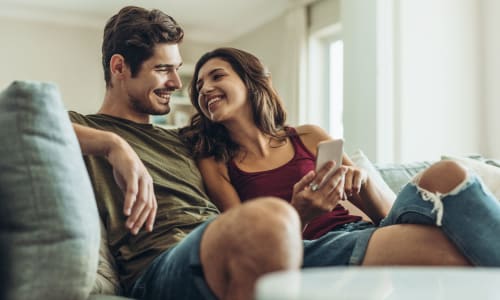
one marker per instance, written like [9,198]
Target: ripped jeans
[469,216]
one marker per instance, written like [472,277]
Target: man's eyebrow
[168,66]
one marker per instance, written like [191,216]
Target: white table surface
[374,283]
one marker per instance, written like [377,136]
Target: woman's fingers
[303,182]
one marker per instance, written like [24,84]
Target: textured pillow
[489,173]
[48,215]
[360,160]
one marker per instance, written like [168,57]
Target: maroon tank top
[279,182]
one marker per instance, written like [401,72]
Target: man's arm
[130,174]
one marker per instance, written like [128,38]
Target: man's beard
[146,108]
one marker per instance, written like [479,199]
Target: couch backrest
[48,215]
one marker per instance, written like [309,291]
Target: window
[335,98]
[326,81]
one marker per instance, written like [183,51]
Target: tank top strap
[301,150]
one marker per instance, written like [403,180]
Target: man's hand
[318,193]
[137,185]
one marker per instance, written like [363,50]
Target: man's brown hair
[133,33]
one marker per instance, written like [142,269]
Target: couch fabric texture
[48,217]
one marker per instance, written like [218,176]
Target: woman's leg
[466,214]
[410,244]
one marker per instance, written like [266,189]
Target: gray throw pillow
[48,215]
[398,175]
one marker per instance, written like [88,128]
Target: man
[141,59]
[144,176]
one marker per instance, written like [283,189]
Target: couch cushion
[360,160]
[48,215]
[107,280]
[398,175]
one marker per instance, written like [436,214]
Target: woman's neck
[250,138]
[252,141]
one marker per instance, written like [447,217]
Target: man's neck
[113,105]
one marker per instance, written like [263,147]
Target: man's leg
[248,241]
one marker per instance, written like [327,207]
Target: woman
[247,152]
[244,150]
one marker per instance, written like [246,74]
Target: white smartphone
[330,150]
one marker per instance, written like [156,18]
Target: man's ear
[118,67]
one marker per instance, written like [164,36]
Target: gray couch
[49,225]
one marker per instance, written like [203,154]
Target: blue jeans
[469,215]
[344,245]
[177,273]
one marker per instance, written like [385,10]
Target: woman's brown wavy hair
[207,138]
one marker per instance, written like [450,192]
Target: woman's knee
[442,176]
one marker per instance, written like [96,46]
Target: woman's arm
[361,191]
[219,187]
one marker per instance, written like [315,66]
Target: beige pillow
[488,173]
[107,280]
[360,160]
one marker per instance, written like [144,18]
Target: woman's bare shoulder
[312,132]
[311,135]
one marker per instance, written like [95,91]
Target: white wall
[436,93]
[489,112]
[412,87]
[66,55]
[323,13]
[439,79]
[191,52]
[265,42]
[274,44]
[358,19]
[446,70]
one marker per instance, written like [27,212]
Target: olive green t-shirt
[178,185]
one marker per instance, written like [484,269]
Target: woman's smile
[212,103]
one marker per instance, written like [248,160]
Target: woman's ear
[118,67]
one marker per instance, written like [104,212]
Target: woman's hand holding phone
[319,192]
[330,150]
